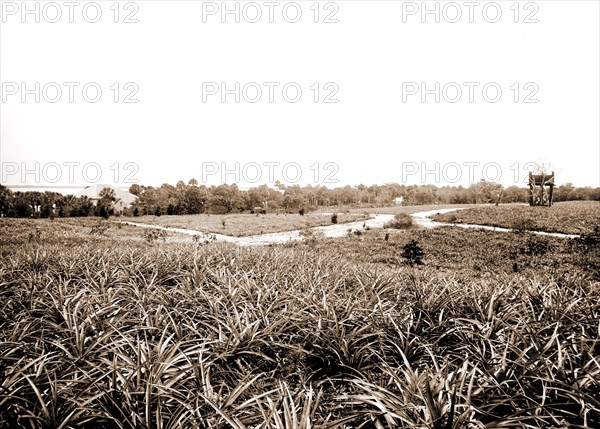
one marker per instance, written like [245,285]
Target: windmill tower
[541,188]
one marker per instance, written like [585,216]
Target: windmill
[538,194]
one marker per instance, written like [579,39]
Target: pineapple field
[104,325]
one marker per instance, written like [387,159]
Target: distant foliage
[170,210]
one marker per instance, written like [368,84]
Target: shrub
[152,235]
[536,246]
[103,212]
[413,253]
[400,221]
[301,211]
[525,224]
[312,236]
[590,240]
[157,212]
[35,236]
[100,228]
[203,238]
[334,218]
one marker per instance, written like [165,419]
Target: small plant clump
[591,239]
[400,221]
[203,238]
[100,228]
[334,218]
[524,225]
[35,236]
[413,253]
[154,235]
[312,236]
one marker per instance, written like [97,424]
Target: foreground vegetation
[99,330]
[573,217]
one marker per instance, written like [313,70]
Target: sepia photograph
[310,214]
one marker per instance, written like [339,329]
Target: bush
[590,240]
[312,236]
[157,212]
[413,253]
[204,238]
[334,218]
[536,246]
[400,221]
[525,224]
[100,228]
[103,212]
[301,211]
[153,235]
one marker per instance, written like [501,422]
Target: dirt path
[337,230]
[421,219]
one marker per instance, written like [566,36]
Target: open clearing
[241,225]
[103,326]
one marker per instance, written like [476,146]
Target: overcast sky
[383,65]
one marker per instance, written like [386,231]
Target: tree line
[192,198]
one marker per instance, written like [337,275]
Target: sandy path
[337,230]
[421,219]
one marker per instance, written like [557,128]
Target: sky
[326,93]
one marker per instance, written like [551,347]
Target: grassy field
[241,225]
[111,330]
[573,217]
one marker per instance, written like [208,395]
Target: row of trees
[191,198]
[47,204]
